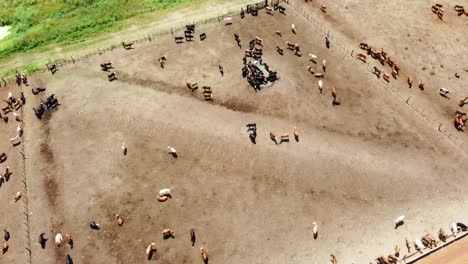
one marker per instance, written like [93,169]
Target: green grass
[38,23]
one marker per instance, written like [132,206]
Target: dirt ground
[356,166]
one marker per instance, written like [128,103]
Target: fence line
[25,197]
[411,102]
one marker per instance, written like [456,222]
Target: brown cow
[376,71]
[362,57]
[410,81]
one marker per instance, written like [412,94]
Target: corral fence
[352,49]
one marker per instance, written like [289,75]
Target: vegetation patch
[37,23]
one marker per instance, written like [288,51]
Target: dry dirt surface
[355,168]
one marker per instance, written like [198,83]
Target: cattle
[310,69]
[376,71]
[120,221]
[58,239]
[94,225]
[53,69]
[462,227]
[162,198]
[399,221]
[320,85]
[279,33]
[150,249]
[42,240]
[282,9]
[69,239]
[364,46]
[6,235]
[273,138]
[386,76]
[463,101]
[418,245]
[112,76]
[334,260]
[437,9]
[69,260]
[106,66]
[323,8]
[3,157]
[124,149]
[319,75]
[5,247]
[460,10]
[179,40]
[324,65]
[397,250]
[279,50]
[128,46]
[362,57]
[228,21]
[188,37]
[39,111]
[167,233]
[38,90]
[408,245]
[165,192]
[444,92]
[24,79]
[172,151]
[221,69]
[192,86]
[269,10]
[18,79]
[382,260]
[193,237]
[454,227]
[284,138]
[421,85]
[162,61]
[202,36]
[296,134]
[429,241]
[18,196]
[204,255]
[442,235]
[315,230]
[410,81]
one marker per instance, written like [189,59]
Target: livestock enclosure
[383,151]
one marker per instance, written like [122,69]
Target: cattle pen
[318,160]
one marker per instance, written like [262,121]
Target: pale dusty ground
[355,169]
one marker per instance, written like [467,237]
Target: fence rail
[348,49]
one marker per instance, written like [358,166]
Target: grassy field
[37,23]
